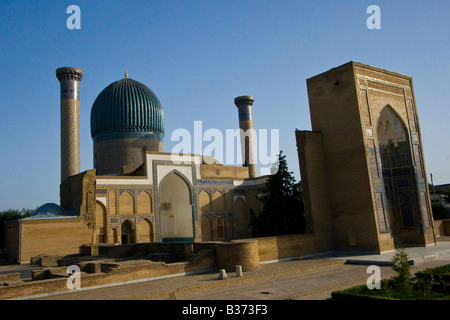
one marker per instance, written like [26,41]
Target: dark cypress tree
[447,196]
[283,211]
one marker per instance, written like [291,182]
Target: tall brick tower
[69,79]
[244,105]
[362,165]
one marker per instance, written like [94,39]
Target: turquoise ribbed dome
[126,106]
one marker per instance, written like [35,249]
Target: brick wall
[67,235]
[282,247]
[237,252]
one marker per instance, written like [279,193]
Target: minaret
[69,79]
[244,105]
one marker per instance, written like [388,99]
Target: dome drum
[111,154]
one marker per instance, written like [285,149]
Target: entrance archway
[127,231]
[176,209]
[206,226]
[398,176]
[145,231]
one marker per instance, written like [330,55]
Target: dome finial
[126,73]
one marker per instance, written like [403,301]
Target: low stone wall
[237,252]
[48,261]
[245,252]
[47,273]
[9,277]
[249,253]
[284,247]
[181,249]
[125,272]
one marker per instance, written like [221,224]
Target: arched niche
[176,212]
[206,228]
[126,203]
[204,201]
[144,203]
[128,232]
[100,222]
[398,175]
[145,231]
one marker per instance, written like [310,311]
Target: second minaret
[244,105]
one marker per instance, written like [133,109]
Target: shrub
[430,284]
[402,281]
[436,279]
[442,270]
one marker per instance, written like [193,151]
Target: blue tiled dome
[126,106]
[51,210]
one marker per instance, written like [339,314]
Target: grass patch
[388,291]
[430,284]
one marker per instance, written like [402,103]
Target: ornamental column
[69,79]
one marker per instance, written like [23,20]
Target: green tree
[440,212]
[283,211]
[447,196]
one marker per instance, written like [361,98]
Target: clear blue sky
[197,56]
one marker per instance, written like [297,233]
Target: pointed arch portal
[128,232]
[176,209]
[398,175]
